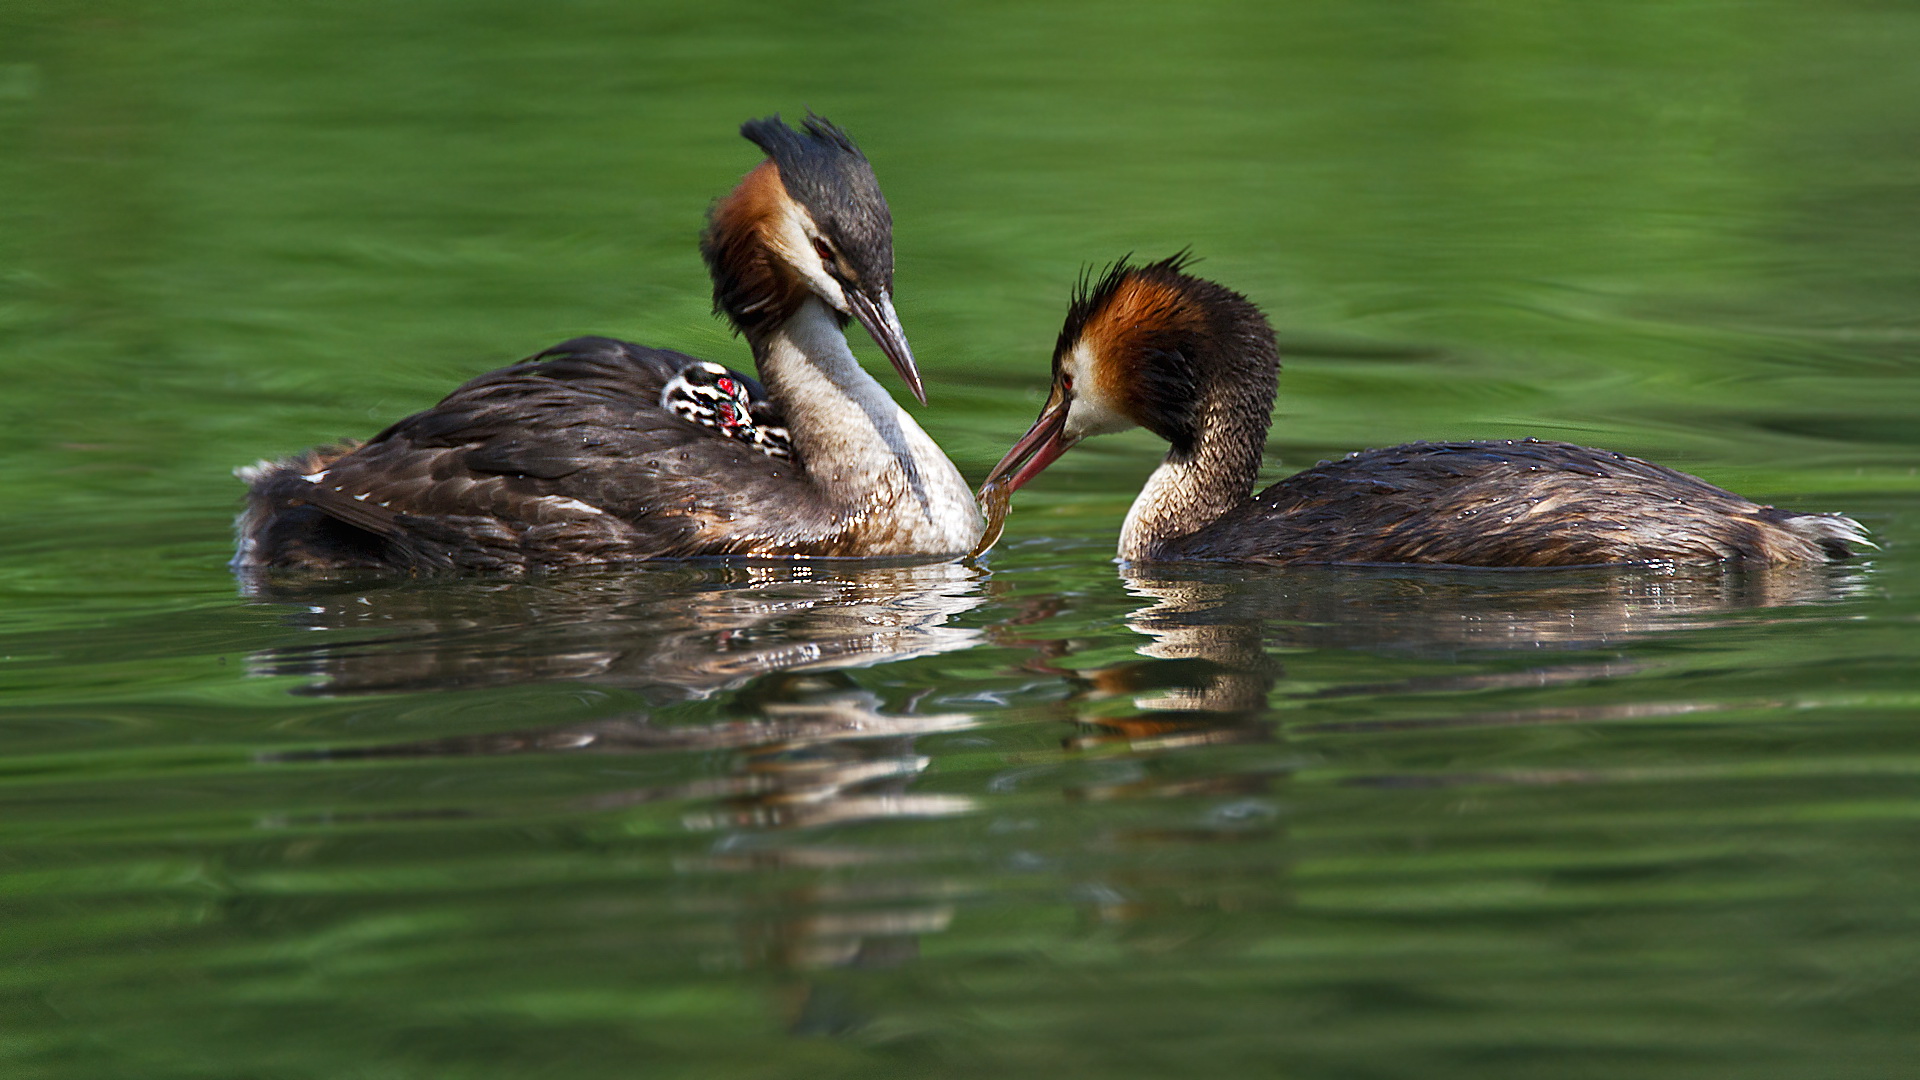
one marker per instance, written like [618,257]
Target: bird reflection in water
[814,747]
[1215,631]
[670,632]
[1442,614]
[1210,682]
[804,745]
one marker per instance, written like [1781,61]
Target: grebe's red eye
[1066,382]
[822,249]
[726,386]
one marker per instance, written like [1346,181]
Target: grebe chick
[721,398]
[600,451]
[1196,363]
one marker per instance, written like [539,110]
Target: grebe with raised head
[600,451]
[1196,364]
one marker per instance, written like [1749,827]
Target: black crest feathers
[1162,339]
[823,170]
[1089,297]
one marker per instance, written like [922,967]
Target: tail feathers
[251,475]
[1838,535]
[303,463]
[290,521]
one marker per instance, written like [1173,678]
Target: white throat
[862,450]
[1147,519]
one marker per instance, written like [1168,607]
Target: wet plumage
[601,451]
[1197,364]
[1507,503]
[601,477]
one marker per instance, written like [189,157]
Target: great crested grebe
[1196,363]
[600,451]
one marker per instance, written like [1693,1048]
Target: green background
[1044,820]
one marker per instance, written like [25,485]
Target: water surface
[1037,816]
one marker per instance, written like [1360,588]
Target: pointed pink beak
[1040,447]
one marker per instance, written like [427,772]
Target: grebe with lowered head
[1196,364]
[600,451]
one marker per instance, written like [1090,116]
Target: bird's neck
[865,454]
[1196,484]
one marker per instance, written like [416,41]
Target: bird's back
[1508,503]
[567,458]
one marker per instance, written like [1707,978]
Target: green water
[1032,818]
